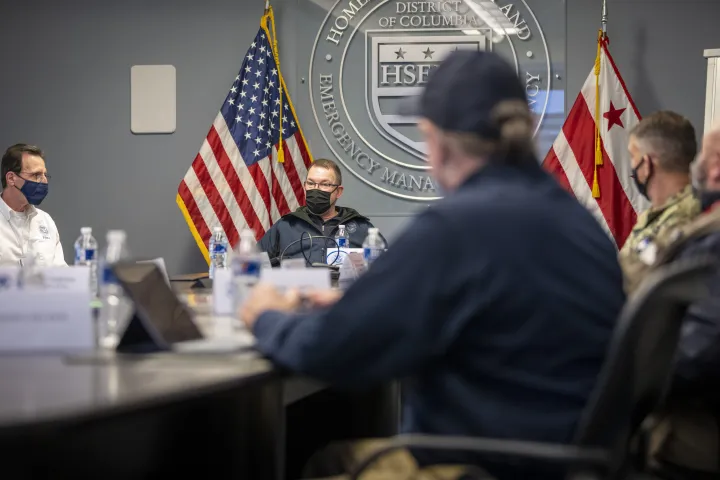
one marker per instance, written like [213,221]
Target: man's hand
[323,298]
[266,297]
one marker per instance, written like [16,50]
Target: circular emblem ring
[369,55]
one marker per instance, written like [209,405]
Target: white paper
[265,263]
[45,320]
[160,262]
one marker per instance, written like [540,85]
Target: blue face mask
[35,192]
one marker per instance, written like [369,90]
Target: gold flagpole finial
[604,19]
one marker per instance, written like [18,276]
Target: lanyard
[18,235]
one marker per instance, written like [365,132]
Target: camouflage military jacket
[654,229]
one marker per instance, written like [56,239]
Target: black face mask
[642,187]
[317,201]
[708,198]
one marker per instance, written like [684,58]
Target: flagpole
[602,37]
[268,24]
[604,19]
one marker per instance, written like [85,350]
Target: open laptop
[162,321]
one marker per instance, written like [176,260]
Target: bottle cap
[217,229]
[374,230]
[86,230]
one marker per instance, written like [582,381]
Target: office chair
[631,384]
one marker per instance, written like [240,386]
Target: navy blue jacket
[497,304]
[291,226]
[698,360]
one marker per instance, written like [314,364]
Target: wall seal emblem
[370,54]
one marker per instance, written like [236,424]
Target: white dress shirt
[29,234]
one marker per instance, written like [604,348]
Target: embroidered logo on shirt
[351,227]
[44,231]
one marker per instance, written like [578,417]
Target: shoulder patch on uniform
[643,243]
[676,235]
[648,255]
[352,226]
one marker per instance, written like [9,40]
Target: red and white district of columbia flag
[590,157]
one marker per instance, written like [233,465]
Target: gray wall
[658,47]
[65,86]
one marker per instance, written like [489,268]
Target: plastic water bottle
[218,250]
[373,246]
[246,264]
[86,255]
[341,237]
[116,307]
[30,273]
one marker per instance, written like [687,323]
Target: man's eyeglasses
[325,187]
[34,177]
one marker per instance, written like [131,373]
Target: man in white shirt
[27,234]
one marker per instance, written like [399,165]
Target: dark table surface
[46,388]
[130,416]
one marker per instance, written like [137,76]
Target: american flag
[237,180]
[590,158]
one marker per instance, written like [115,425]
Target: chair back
[640,360]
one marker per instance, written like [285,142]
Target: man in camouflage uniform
[662,147]
[686,440]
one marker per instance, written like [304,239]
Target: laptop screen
[156,302]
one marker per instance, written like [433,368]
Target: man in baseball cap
[485,301]
[462,93]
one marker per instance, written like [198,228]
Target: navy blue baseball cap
[462,92]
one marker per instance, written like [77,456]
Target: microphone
[277,261]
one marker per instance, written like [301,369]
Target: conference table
[231,415]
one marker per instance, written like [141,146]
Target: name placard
[225,295]
[336,256]
[302,279]
[45,309]
[63,279]
[45,321]
[223,292]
